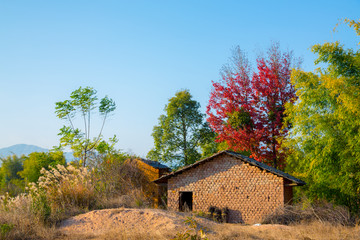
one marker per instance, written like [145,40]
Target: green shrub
[40,206]
[201,214]
[193,232]
[5,229]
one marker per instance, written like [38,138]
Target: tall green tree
[83,102]
[324,144]
[181,132]
[10,180]
[35,161]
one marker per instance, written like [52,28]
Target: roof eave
[298,182]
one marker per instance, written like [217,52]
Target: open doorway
[185,201]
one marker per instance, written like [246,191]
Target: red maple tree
[246,108]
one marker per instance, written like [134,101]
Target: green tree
[83,102]
[35,161]
[181,132]
[324,144]
[10,180]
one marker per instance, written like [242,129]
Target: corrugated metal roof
[238,156]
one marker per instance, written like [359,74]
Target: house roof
[243,158]
[154,164]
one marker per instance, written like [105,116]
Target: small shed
[248,189]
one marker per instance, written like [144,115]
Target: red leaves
[246,109]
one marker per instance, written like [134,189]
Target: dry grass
[124,185]
[18,215]
[316,230]
[305,213]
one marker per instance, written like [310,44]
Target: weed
[5,229]
[193,232]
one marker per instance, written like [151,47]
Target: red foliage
[246,109]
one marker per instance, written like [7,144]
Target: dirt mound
[100,222]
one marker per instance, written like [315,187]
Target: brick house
[152,170]
[248,188]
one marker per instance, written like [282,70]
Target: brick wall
[248,191]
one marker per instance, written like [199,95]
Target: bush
[17,220]
[59,193]
[62,192]
[5,230]
[118,177]
[193,232]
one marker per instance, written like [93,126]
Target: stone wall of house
[249,192]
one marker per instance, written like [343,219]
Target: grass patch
[325,213]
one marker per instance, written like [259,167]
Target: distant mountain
[24,149]
[20,149]
[69,156]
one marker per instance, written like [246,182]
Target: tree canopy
[324,143]
[35,161]
[246,107]
[83,102]
[181,132]
[10,180]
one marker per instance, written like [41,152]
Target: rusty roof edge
[239,156]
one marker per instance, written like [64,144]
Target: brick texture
[249,192]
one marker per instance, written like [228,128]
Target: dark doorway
[185,201]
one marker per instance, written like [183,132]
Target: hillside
[21,149]
[26,149]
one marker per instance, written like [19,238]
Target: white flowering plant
[62,189]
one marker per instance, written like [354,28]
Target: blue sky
[139,53]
